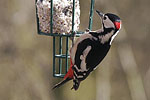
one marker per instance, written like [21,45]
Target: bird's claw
[87,30]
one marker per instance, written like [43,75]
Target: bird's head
[110,21]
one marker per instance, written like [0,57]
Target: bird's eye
[105,17]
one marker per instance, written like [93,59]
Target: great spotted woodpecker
[90,49]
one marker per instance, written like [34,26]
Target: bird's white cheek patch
[108,23]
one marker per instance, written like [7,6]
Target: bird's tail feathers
[67,77]
[61,83]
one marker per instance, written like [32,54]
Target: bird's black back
[94,57]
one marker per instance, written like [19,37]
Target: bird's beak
[100,13]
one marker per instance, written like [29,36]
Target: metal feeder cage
[60,37]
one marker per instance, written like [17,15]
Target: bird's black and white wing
[88,53]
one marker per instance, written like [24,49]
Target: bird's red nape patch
[70,71]
[117,24]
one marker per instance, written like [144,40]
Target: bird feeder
[60,19]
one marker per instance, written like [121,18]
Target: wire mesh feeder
[61,56]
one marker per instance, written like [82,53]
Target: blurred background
[26,57]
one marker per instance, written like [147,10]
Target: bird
[90,49]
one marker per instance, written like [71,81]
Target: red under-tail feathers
[67,77]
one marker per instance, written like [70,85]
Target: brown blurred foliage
[26,58]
